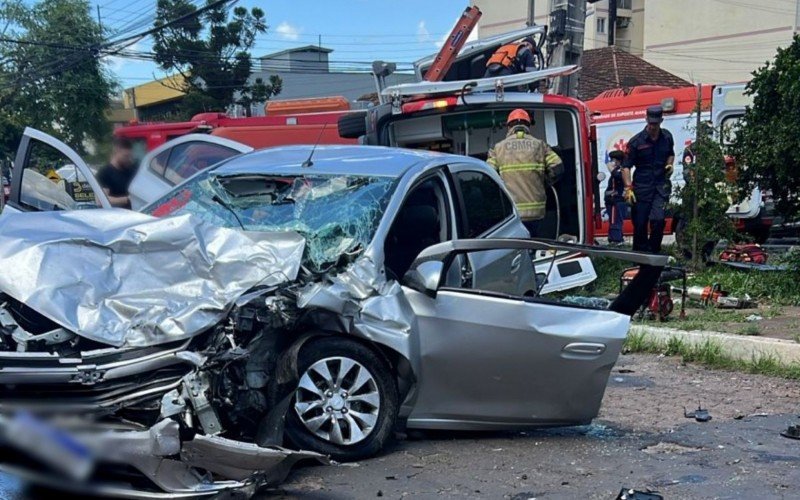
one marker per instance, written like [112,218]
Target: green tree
[212,54]
[51,76]
[767,143]
[705,184]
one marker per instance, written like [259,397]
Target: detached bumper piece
[168,465]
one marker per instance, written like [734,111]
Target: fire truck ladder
[452,46]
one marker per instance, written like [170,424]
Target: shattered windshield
[337,214]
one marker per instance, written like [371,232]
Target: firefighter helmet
[518,115]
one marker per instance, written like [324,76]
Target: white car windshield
[337,214]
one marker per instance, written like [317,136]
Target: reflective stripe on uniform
[492,162]
[552,158]
[521,167]
[530,205]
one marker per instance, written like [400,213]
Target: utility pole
[132,95]
[532,12]
[696,180]
[796,17]
[565,41]
[99,20]
[612,22]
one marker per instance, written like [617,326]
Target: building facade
[708,41]
[305,71]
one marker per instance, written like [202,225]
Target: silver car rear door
[490,360]
[31,188]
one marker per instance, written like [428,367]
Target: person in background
[616,207]
[115,177]
[511,59]
[650,154]
[526,165]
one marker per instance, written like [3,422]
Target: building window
[601,24]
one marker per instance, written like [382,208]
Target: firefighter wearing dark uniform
[650,154]
[511,59]
[526,165]
[616,208]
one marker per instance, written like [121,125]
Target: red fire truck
[291,121]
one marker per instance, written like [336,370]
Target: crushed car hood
[129,279]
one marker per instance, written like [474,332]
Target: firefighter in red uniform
[517,57]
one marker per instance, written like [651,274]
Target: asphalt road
[641,440]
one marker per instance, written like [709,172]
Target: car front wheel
[346,401]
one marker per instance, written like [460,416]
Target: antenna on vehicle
[308,162]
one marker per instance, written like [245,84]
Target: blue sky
[357,30]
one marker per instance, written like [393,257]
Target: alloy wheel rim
[338,401]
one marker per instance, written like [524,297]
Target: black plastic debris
[700,414]
[793,432]
[631,494]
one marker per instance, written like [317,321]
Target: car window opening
[421,222]
[337,214]
[473,133]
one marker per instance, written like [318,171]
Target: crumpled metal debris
[128,279]
[169,460]
[376,308]
[792,432]
[631,494]
[700,414]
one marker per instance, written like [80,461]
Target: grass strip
[711,354]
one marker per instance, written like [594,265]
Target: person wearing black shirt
[650,154]
[115,177]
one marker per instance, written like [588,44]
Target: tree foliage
[705,184]
[211,52]
[50,75]
[767,143]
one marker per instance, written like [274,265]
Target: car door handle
[516,263]
[585,348]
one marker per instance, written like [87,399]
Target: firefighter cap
[518,115]
[655,114]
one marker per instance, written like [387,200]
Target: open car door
[49,175]
[490,359]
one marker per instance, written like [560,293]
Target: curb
[739,347]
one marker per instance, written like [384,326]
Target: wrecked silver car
[318,298]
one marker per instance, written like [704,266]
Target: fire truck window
[729,126]
[188,158]
[485,203]
[50,181]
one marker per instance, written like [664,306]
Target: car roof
[330,159]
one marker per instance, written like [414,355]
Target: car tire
[365,422]
[352,125]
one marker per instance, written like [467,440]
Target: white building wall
[709,41]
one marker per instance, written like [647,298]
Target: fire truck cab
[468,117]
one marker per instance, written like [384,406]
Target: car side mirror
[425,277]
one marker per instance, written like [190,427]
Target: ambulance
[618,115]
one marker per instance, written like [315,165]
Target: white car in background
[159,171]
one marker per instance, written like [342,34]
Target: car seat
[416,227]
